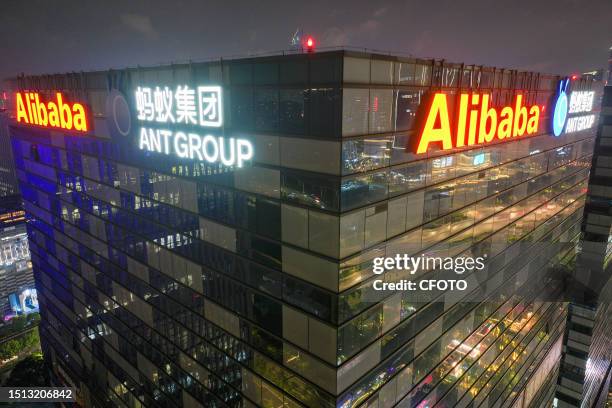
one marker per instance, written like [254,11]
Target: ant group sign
[174,121]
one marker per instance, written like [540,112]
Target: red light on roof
[574,77]
[310,44]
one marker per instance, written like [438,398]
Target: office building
[16,277]
[8,180]
[587,358]
[204,234]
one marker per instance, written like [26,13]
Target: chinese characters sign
[568,115]
[163,109]
[182,105]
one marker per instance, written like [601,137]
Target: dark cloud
[139,23]
[560,36]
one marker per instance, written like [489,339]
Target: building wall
[8,180]
[180,283]
[587,358]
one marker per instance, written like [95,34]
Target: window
[265,73]
[311,190]
[362,190]
[381,110]
[352,233]
[355,107]
[376,223]
[295,225]
[324,113]
[405,73]
[407,103]
[324,232]
[321,156]
[325,70]
[294,71]
[356,70]
[382,72]
[241,108]
[240,74]
[408,177]
[292,110]
[363,155]
[266,109]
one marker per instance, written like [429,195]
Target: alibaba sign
[58,113]
[476,122]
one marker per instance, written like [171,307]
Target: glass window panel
[404,72]
[407,102]
[240,74]
[414,215]
[407,178]
[241,108]
[381,110]
[399,151]
[323,233]
[382,72]
[363,155]
[356,70]
[352,233]
[324,112]
[294,71]
[295,225]
[292,110]
[362,190]
[355,107]
[422,74]
[376,224]
[311,190]
[266,109]
[325,69]
[265,73]
[396,220]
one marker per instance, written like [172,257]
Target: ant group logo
[572,110]
[561,108]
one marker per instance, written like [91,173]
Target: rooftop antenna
[296,40]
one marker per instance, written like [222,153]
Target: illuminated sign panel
[32,110]
[476,122]
[183,105]
[568,116]
[186,108]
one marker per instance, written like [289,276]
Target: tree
[9,349]
[29,372]
[33,318]
[18,323]
[29,339]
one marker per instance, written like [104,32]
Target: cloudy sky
[556,36]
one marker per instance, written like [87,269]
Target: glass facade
[163,282]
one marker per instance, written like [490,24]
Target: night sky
[555,36]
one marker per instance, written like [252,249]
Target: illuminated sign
[183,105]
[569,112]
[58,113]
[476,122]
[12,217]
[186,108]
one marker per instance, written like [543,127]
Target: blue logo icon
[561,108]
